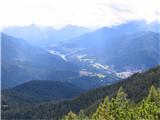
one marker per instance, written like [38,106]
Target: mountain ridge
[36,91]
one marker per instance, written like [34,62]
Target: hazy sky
[89,13]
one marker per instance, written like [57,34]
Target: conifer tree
[102,111]
[119,107]
[150,108]
[71,116]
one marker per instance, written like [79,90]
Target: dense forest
[36,91]
[91,104]
[120,108]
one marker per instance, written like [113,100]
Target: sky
[89,13]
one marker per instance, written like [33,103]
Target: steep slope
[22,61]
[140,49]
[40,91]
[136,87]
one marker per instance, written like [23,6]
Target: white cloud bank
[89,13]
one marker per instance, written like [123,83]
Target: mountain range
[128,46]
[92,59]
[48,72]
[44,36]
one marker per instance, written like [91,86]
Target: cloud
[91,13]
[120,8]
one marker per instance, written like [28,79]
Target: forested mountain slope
[136,87]
[41,90]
